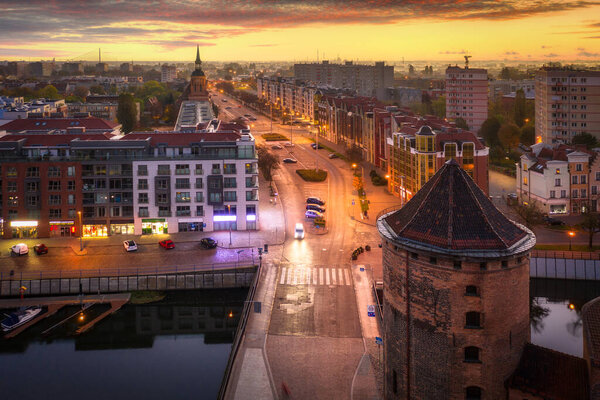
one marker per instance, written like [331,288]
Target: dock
[52,309]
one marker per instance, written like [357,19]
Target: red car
[40,249]
[167,244]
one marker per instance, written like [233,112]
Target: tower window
[504,264]
[414,256]
[471,354]
[473,393]
[457,265]
[471,290]
[483,266]
[473,320]
[433,260]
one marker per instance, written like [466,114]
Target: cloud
[550,55]
[545,47]
[584,53]
[453,52]
[511,53]
[264,45]
[592,37]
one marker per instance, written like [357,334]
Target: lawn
[146,296]
[271,137]
[311,175]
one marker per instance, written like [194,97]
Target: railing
[122,272]
[573,255]
[388,210]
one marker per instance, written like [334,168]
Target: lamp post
[571,236]
[80,232]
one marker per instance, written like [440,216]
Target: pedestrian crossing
[299,275]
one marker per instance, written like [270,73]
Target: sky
[292,30]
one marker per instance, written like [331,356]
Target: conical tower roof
[198,70]
[451,214]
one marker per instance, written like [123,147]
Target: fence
[573,255]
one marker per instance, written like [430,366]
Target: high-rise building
[168,73]
[467,95]
[567,103]
[456,298]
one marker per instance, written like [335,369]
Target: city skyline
[297,31]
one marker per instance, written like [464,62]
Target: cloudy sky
[268,30]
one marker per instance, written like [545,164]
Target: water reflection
[177,348]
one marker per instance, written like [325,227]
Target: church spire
[198,61]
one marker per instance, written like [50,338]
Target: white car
[130,245]
[288,144]
[20,249]
[299,231]
[313,214]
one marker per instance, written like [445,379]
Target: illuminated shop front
[224,222]
[62,229]
[121,229]
[24,229]
[99,230]
[154,226]
[190,225]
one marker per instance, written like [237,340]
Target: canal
[176,348]
[556,312]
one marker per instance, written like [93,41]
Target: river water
[173,349]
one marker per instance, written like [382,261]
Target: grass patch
[146,296]
[565,247]
[559,227]
[310,175]
[271,137]
[329,149]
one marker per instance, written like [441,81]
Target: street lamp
[80,232]
[571,236]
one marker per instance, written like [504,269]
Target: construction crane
[467,61]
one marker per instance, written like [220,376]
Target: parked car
[289,161]
[553,221]
[228,108]
[20,249]
[224,100]
[288,144]
[315,146]
[130,245]
[315,207]
[167,244]
[313,214]
[315,200]
[40,249]
[333,155]
[208,243]
[252,118]
[299,231]
[247,115]
[276,147]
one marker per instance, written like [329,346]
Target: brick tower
[456,292]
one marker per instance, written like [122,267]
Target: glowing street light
[571,236]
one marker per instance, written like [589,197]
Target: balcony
[198,171]
[163,171]
[252,196]
[253,171]
[164,213]
[143,214]
[182,171]
[216,171]
[182,185]
[184,213]
[229,171]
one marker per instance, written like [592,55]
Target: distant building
[365,80]
[567,103]
[101,68]
[40,68]
[61,125]
[502,87]
[403,96]
[194,104]
[168,73]
[126,68]
[467,95]
[74,68]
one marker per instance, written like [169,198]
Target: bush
[373,173]
[378,180]
[270,137]
[310,175]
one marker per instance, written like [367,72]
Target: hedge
[311,175]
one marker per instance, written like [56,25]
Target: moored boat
[19,317]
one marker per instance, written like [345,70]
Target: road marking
[341,276]
[282,280]
[327,276]
[295,276]
[315,277]
[307,270]
[321,275]
[347,277]
[290,276]
[333,276]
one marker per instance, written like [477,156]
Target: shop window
[11,186]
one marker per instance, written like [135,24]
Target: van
[299,231]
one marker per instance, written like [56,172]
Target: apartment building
[293,95]
[419,147]
[364,79]
[104,184]
[168,73]
[467,95]
[567,103]
[61,125]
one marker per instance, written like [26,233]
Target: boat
[19,317]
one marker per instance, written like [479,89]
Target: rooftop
[452,215]
[36,124]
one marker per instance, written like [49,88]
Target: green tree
[438,107]
[97,89]
[509,135]
[49,92]
[590,224]
[461,123]
[528,134]
[81,91]
[586,139]
[489,131]
[267,162]
[530,214]
[126,112]
[354,154]
[215,108]
[520,108]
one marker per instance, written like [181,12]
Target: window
[563,194]
[183,211]
[164,170]
[71,199]
[552,194]
[216,169]
[34,172]
[557,171]
[504,264]
[182,197]
[471,354]
[115,184]
[143,212]
[70,185]
[229,168]
[473,320]
[52,172]
[54,199]
[575,194]
[583,193]
[473,393]
[199,211]
[71,171]
[162,198]
[583,179]
[142,184]
[142,170]
[457,264]
[182,183]
[114,169]
[230,196]
[162,184]
[115,211]
[11,172]
[12,214]
[33,201]
[557,182]
[594,189]
[574,179]
[215,197]
[164,211]
[99,169]
[54,185]
[143,198]
[482,266]
[471,290]
[182,169]
[198,170]
[71,213]
[414,256]
[100,183]
[11,186]
[229,183]
[578,167]
[433,260]
[199,197]
[55,213]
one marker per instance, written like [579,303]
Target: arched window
[471,290]
[473,393]
[473,320]
[471,354]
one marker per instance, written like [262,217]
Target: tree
[489,131]
[126,112]
[411,69]
[49,92]
[438,106]
[530,214]
[354,154]
[215,109]
[509,135]
[97,89]
[590,224]
[528,134]
[267,162]
[81,91]
[586,139]
[520,108]
[461,123]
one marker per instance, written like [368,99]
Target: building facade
[467,95]
[168,73]
[567,103]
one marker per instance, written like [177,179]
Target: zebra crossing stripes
[299,275]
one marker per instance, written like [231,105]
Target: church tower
[198,83]
[456,292]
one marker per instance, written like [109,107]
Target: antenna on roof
[467,61]
[99,56]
